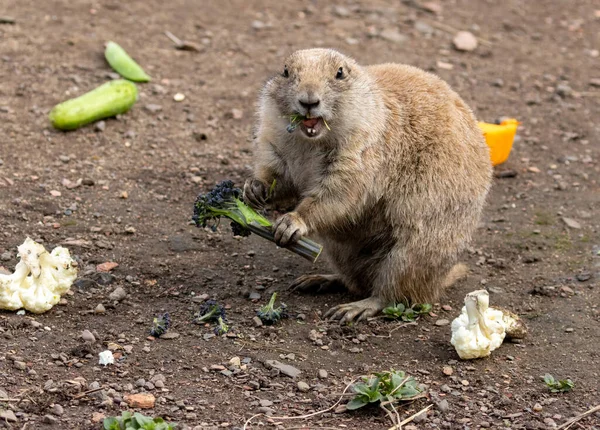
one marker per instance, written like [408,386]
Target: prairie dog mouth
[312,127]
[309,126]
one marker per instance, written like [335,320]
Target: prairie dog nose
[309,103]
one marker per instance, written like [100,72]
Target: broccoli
[209,311]
[269,315]
[224,200]
[160,325]
[222,328]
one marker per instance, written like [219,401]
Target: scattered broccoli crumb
[269,315]
[160,325]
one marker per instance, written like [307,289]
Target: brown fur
[394,190]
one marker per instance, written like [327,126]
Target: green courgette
[107,100]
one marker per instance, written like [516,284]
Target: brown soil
[540,65]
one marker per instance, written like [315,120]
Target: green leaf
[142,420]
[111,423]
[355,403]
[363,389]
[422,308]
[409,315]
[407,391]
[549,379]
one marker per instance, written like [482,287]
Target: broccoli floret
[160,325]
[209,311]
[269,315]
[224,200]
[221,328]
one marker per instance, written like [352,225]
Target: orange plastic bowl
[500,138]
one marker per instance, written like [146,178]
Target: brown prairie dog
[390,171]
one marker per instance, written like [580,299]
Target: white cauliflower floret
[39,280]
[479,329]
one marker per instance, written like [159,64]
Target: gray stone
[465,41]
[20,365]
[50,419]
[393,35]
[442,322]
[303,386]
[87,336]
[322,374]
[286,369]
[170,335]
[571,223]
[443,406]
[118,294]
[265,403]
[8,415]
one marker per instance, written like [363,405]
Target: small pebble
[303,386]
[537,407]
[179,97]
[87,336]
[100,309]
[322,374]
[442,322]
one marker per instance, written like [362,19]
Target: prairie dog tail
[458,272]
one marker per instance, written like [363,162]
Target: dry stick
[572,421]
[400,325]
[85,393]
[409,419]
[10,400]
[449,29]
[302,417]
[177,41]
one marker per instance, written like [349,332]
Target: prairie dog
[389,170]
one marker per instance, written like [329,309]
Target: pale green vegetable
[107,100]
[123,64]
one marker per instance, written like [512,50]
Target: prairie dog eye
[340,73]
[286,73]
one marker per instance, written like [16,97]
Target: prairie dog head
[312,92]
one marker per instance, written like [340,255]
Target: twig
[573,420]
[85,393]
[302,417]
[183,45]
[449,29]
[409,419]
[399,326]
[10,400]
[177,41]
[590,94]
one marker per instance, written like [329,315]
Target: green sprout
[384,388]
[269,315]
[225,201]
[129,421]
[403,312]
[561,386]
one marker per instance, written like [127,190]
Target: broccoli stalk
[224,201]
[269,315]
[221,328]
[209,311]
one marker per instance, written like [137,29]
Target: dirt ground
[537,61]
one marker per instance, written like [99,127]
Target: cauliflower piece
[479,329]
[39,280]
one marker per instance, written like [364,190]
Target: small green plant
[403,312]
[561,386]
[129,421]
[384,388]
